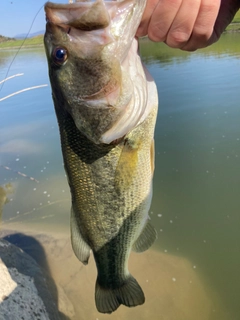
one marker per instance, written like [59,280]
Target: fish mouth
[84,15]
[110,95]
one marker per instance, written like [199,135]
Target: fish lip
[54,5]
[54,12]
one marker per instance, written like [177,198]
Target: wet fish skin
[109,173]
[103,217]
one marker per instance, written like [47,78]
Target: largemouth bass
[106,106]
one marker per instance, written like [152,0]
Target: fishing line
[9,67]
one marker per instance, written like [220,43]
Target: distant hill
[30,35]
[4,39]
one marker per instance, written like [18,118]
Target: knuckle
[177,38]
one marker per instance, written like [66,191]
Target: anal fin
[146,238]
[79,245]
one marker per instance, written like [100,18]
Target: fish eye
[60,55]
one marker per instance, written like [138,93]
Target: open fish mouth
[77,12]
[80,14]
[92,47]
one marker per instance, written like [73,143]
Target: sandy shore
[172,286]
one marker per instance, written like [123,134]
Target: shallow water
[193,272]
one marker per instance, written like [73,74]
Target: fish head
[94,68]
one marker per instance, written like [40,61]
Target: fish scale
[106,110]
[93,174]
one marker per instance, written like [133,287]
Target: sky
[18,15]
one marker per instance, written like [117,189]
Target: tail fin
[108,300]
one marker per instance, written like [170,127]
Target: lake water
[193,270]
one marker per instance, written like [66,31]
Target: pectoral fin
[127,165]
[80,247]
[146,238]
[152,156]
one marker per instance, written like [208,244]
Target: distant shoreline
[28,46]
[37,41]
[22,43]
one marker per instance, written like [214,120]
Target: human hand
[187,24]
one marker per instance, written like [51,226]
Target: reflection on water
[193,272]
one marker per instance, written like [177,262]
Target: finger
[204,25]
[143,27]
[182,26]
[162,19]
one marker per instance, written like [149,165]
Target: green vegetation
[235,25]
[237,17]
[13,43]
